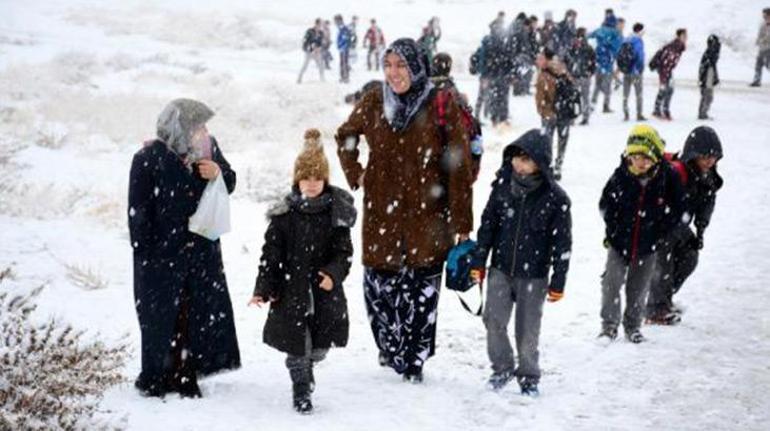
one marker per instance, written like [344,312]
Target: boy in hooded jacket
[708,78]
[527,228]
[697,167]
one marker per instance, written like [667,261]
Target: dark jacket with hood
[701,188]
[639,215]
[708,64]
[306,236]
[527,233]
[580,59]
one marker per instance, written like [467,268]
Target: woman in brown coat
[417,201]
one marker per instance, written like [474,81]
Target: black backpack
[567,104]
[626,57]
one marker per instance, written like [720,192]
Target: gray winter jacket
[763,38]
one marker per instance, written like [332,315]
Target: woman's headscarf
[400,109]
[176,125]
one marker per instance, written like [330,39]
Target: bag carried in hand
[212,217]
[458,272]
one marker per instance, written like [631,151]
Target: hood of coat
[702,141]
[536,145]
[341,203]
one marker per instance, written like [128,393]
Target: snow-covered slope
[81,83]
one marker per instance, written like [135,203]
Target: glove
[696,243]
[478,274]
[554,296]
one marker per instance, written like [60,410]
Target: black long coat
[301,240]
[172,265]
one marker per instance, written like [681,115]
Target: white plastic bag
[212,217]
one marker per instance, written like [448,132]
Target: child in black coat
[697,168]
[527,228]
[305,258]
[641,204]
[708,78]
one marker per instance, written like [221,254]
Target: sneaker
[529,389]
[658,115]
[755,84]
[414,378]
[641,117]
[667,116]
[668,318]
[635,336]
[607,110]
[303,405]
[608,333]
[498,381]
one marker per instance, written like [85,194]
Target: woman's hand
[326,282]
[259,301]
[208,169]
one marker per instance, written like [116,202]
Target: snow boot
[302,387]
[635,336]
[610,334]
[498,381]
[413,375]
[529,388]
[383,359]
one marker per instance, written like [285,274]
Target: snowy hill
[81,84]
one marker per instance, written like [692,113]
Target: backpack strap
[678,166]
[468,308]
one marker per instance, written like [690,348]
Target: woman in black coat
[181,297]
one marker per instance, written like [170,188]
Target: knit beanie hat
[645,140]
[311,162]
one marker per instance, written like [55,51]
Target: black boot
[301,379]
[413,375]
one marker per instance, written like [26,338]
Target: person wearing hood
[550,71]
[608,41]
[697,168]
[641,204]
[581,65]
[763,43]
[526,227]
[179,278]
[708,77]
[306,257]
[417,203]
[665,61]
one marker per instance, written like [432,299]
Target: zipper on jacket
[516,235]
[637,226]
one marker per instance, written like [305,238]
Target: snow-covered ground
[81,83]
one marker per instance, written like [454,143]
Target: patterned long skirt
[402,308]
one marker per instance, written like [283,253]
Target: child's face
[705,163]
[524,165]
[311,187]
[641,163]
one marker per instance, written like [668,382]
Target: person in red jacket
[374,41]
[664,61]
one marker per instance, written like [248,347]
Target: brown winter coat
[545,89]
[413,207]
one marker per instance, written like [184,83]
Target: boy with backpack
[527,227]
[641,205]
[305,258]
[664,61]
[441,68]
[708,78]
[557,101]
[581,65]
[697,168]
[631,64]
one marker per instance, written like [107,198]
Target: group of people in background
[424,153]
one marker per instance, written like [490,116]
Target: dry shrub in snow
[51,376]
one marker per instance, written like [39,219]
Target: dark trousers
[498,99]
[675,263]
[706,98]
[561,127]
[663,100]
[344,66]
[630,80]
[763,60]
[482,101]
